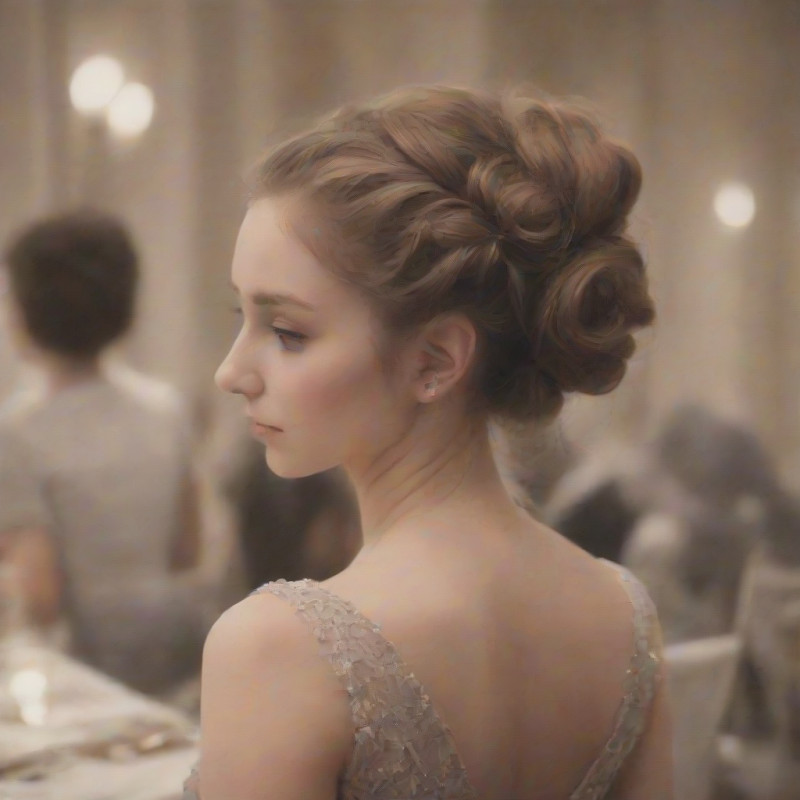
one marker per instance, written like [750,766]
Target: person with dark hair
[73,279]
[97,505]
[409,270]
[300,528]
[713,458]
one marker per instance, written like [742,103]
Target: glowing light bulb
[131,111]
[735,205]
[95,83]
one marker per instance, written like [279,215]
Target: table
[106,736]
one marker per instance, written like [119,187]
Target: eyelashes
[292,341]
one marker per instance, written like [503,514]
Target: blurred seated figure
[597,503]
[691,564]
[683,513]
[716,460]
[768,609]
[726,486]
[97,499]
[601,521]
[781,537]
[767,620]
[291,528]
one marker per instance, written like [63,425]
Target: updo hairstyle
[508,209]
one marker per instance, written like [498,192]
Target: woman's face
[306,358]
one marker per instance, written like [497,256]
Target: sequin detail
[191,786]
[639,688]
[402,750]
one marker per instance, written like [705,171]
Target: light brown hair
[510,209]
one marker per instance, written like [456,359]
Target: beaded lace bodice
[402,749]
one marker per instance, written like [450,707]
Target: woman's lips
[263,430]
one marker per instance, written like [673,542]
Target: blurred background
[689,473]
[704,91]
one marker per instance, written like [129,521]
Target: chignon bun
[508,208]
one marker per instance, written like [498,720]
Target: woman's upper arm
[275,719]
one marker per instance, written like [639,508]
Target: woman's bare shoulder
[263,680]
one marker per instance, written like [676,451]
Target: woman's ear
[445,354]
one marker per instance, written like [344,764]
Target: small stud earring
[432,386]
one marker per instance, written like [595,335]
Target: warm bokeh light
[735,205]
[95,83]
[131,111]
[29,687]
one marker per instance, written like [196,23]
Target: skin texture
[498,616]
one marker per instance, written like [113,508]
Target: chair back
[769,592]
[700,675]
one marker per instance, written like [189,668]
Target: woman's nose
[237,378]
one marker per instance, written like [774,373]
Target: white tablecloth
[83,706]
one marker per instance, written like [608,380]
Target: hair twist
[510,209]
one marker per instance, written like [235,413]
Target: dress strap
[639,687]
[400,741]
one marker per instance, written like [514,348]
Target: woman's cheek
[312,390]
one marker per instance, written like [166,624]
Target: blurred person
[98,511]
[715,459]
[781,539]
[410,269]
[725,482]
[295,528]
[691,564]
[598,501]
[599,521]
[715,542]
[697,464]
[770,596]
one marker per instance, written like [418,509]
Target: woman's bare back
[524,649]
[525,670]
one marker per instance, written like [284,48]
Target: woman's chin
[286,468]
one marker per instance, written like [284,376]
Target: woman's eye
[290,340]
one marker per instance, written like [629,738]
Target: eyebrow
[261,299]
[264,299]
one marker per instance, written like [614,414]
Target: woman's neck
[436,474]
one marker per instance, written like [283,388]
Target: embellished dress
[402,749]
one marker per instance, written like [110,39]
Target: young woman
[409,270]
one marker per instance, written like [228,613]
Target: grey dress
[402,749]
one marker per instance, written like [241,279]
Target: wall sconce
[94,84]
[98,92]
[98,89]
[131,111]
[735,205]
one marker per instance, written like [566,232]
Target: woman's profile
[409,270]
